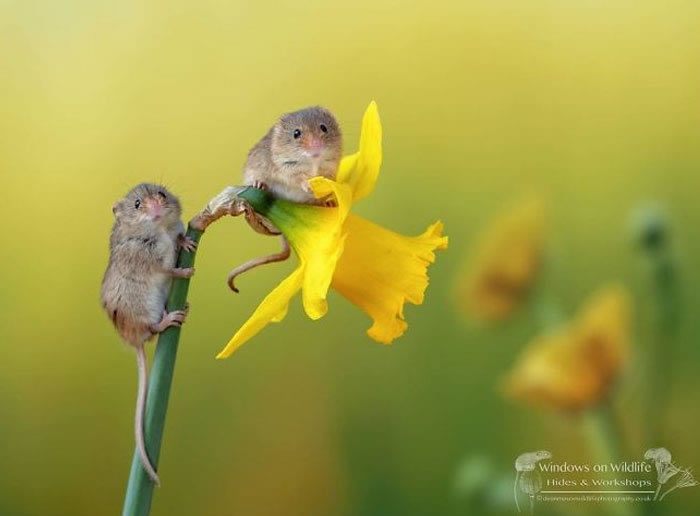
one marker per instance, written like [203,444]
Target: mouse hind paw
[175,318]
[182,272]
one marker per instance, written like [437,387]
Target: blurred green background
[593,105]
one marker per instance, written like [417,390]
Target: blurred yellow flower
[376,269]
[504,263]
[574,367]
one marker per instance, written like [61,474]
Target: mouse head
[308,136]
[148,203]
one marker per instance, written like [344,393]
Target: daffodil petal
[360,170]
[316,234]
[505,263]
[281,315]
[328,243]
[320,269]
[346,167]
[552,372]
[380,270]
[272,309]
[602,328]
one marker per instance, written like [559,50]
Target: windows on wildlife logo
[540,478]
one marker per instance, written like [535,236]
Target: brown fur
[284,164]
[142,253]
[143,250]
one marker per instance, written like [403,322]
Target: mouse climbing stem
[231,201]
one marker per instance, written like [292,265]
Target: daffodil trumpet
[375,268]
[576,366]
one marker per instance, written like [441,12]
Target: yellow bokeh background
[592,105]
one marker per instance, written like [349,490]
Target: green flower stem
[140,488]
[655,243]
[661,352]
[653,235]
[659,360]
[602,433]
[260,200]
[139,491]
[604,439]
[545,305]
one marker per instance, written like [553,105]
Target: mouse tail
[140,409]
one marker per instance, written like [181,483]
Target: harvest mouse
[145,238]
[301,145]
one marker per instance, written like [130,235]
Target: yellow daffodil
[376,269]
[574,367]
[504,263]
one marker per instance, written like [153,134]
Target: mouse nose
[153,206]
[314,146]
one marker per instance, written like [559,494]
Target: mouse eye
[324,128]
[162,194]
[297,133]
[137,204]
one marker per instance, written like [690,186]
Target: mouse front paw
[261,186]
[186,243]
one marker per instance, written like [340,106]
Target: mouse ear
[116,207]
